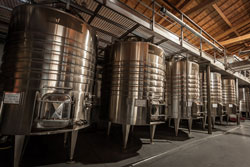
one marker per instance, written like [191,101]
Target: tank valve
[81,122]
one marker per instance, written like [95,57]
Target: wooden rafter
[222,15]
[201,6]
[137,4]
[179,3]
[235,40]
[225,19]
[147,8]
[231,41]
[232,29]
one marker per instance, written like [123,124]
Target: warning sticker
[141,103]
[230,106]
[11,98]
[215,105]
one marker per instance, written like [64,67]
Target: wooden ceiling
[228,21]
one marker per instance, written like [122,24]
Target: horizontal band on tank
[35,43]
[51,66]
[39,54]
[141,78]
[41,74]
[40,66]
[138,89]
[138,93]
[49,48]
[50,80]
[140,83]
[138,68]
[66,35]
[158,90]
[134,75]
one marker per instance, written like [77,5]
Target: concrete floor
[228,146]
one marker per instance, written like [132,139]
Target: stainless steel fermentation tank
[138,86]
[229,96]
[244,100]
[185,95]
[215,93]
[48,67]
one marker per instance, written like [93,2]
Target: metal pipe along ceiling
[172,16]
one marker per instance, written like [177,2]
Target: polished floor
[228,146]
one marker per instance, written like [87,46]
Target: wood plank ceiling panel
[222,19]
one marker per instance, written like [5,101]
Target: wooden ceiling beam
[137,4]
[151,3]
[235,40]
[179,3]
[232,29]
[230,41]
[201,6]
[222,15]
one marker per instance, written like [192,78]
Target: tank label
[11,98]
[141,103]
[230,106]
[190,104]
[215,105]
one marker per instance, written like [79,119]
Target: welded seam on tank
[181,147]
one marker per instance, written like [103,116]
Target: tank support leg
[109,127]
[65,138]
[132,128]
[190,121]
[169,122]
[238,118]
[152,132]
[227,118]
[125,130]
[19,149]
[213,122]
[74,135]
[221,119]
[204,120]
[176,125]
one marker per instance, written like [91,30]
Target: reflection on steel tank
[185,95]
[137,85]
[215,93]
[49,69]
[229,96]
[244,100]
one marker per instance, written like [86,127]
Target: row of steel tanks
[48,69]
[140,87]
[145,89]
[49,72]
